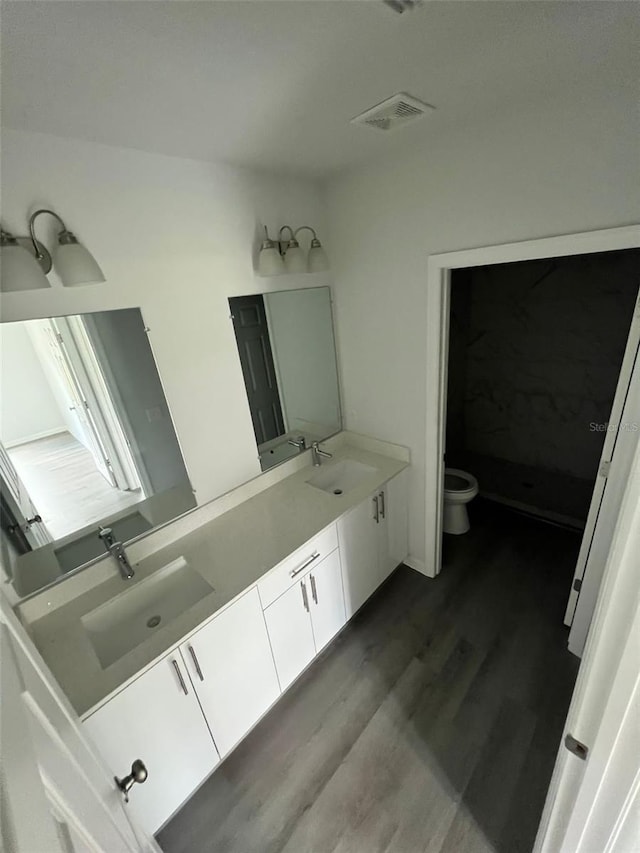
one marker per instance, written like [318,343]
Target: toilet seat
[460,487]
[458,482]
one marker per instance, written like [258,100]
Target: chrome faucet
[116,549]
[316,453]
[299,441]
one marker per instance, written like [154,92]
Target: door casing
[567,799]
[437,345]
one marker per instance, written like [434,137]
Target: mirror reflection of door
[55,426]
[62,350]
[258,369]
[88,438]
[286,349]
[23,522]
[109,446]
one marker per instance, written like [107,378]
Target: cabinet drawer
[293,567]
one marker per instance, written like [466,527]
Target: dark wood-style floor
[431,724]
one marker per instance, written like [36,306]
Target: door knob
[138,774]
[14,528]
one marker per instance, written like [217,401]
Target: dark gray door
[256,358]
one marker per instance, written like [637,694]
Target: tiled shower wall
[535,352]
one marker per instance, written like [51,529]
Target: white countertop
[231,552]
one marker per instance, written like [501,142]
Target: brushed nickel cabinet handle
[376,514]
[196,663]
[179,674]
[314,589]
[382,507]
[306,563]
[305,599]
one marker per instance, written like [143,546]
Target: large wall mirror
[86,440]
[287,352]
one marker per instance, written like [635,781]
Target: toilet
[459,488]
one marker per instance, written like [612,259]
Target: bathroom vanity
[172,647]
[177,665]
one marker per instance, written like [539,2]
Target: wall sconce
[287,256]
[269,259]
[26,261]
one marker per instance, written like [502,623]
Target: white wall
[556,167]
[28,407]
[174,237]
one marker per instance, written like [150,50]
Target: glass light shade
[20,270]
[270,261]
[76,265]
[295,260]
[318,260]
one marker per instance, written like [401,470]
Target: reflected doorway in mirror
[286,348]
[88,439]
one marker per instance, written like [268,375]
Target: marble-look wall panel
[535,353]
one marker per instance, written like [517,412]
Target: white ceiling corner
[273,84]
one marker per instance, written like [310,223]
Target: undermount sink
[120,625]
[341,477]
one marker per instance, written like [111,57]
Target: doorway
[63,443]
[440,271]
[253,337]
[604,527]
[541,354]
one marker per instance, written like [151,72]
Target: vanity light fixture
[22,256]
[292,258]
[269,260]
[317,259]
[20,270]
[295,260]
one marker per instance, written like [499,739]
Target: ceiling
[272,84]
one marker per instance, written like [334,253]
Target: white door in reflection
[61,428]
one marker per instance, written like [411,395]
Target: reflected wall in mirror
[86,440]
[287,352]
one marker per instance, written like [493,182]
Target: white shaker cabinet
[327,600]
[394,521]
[373,541]
[290,631]
[156,718]
[305,618]
[231,667]
[212,690]
[358,532]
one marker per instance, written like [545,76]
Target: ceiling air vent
[395,112]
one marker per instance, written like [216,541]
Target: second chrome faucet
[316,454]
[116,549]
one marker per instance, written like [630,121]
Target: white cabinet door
[327,600]
[382,532]
[231,667]
[373,541]
[394,541]
[290,632]
[155,720]
[358,533]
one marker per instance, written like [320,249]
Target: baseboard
[547,515]
[35,437]
[414,563]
